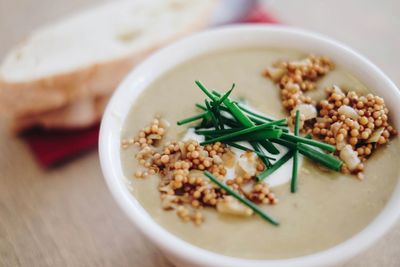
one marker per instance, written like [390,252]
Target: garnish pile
[357,125]
[227,121]
[183,184]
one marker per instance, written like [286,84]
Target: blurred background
[64,215]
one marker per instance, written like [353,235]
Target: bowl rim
[191,47]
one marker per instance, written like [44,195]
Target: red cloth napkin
[53,147]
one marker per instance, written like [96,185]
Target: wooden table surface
[66,216]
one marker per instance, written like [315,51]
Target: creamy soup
[328,208]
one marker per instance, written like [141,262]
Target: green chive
[261,136]
[248,134]
[255,120]
[297,124]
[257,148]
[293,183]
[212,115]
[284,143]
[226,95]
[218,132]
[242,199]
[207,124]
[193,118]
[219,117]
[200,106]
[269,146]
[238,114]
[326,160]
[299,139]
[275,166]
[259,127]
[248,111]
[227,121]
[230,122]
[205,90]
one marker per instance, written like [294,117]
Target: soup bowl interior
[178,251]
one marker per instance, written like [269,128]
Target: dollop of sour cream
[279,177]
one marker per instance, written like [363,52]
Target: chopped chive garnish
[299,139]
[219,117]
[326,160]
[200,106]
[275,166]
[191,119]
[269,146]
[259,121]
[255,119]
[293,183]
[284,143]
[238,114]
[212,115]
[297,124]
[221,121]
[260,136]
[248,111]
[218,132]
[285,130]
[228,121]
[205,90]
[257,148]
[245,121]
[226,95]
[248,134]
[242,199]
[238,132]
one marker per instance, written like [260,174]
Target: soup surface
[328,208]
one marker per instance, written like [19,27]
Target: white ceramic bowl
[180,252]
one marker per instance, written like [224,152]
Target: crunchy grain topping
[352,123]
[150,135]
[356,125]
[296,77]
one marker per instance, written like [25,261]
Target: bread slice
[85,56]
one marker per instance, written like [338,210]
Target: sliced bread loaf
[87,54]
